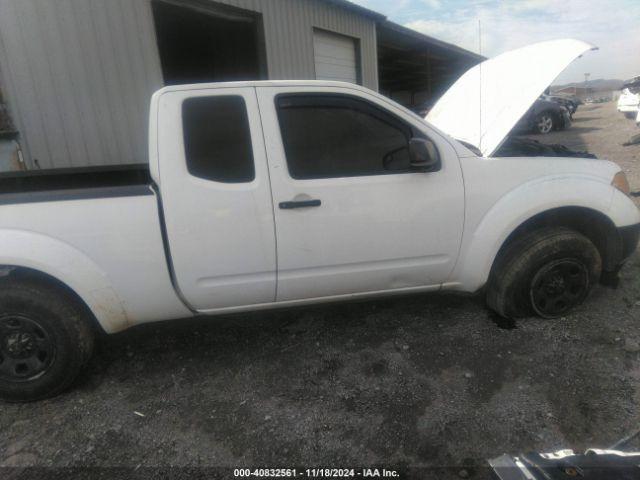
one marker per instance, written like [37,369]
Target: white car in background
[630,98]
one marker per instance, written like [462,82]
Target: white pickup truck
[282,193]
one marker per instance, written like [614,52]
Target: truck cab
[312,194]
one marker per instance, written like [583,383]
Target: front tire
[45,339]
[547,272]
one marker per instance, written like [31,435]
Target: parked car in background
[629,101]
[544,116]
[571,103]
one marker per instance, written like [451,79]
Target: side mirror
[423,155]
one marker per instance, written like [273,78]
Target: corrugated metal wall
[78,74]
[289,24]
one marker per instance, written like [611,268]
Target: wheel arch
[593,224]
[17,273]
[56,263]
[583,204]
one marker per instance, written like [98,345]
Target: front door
[351,216]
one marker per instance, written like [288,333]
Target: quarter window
[328,136]
[217,139]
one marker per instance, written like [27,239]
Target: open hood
[484,105]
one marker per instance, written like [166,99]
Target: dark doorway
[414,69]
[208,44]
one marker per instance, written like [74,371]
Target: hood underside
[484,105]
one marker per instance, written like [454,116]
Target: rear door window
[217,139]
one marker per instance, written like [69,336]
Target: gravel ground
[429,380]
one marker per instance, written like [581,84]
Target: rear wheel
[546,272]
[45,340]
[545,123]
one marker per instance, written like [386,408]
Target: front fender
[69,265]
[482,243]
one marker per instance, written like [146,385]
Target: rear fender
[70,266]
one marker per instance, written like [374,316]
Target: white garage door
[335,56]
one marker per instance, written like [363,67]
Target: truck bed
[103,220]
[74,183]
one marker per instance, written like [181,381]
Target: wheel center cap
[20,344]
[556,285]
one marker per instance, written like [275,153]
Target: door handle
[299,204]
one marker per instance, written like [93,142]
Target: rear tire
[546,272]
[45,340]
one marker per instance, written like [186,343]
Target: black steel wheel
[45,339]
[545,272]
[26,349]
[558,287]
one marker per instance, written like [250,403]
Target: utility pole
[480,90]
[586,83]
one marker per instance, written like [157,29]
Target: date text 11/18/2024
[315,473]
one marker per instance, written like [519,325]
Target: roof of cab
[260,83]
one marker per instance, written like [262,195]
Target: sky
[613,26]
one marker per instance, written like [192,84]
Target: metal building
[78,74]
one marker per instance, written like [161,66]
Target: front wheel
[45,339]
[546,272]
[544,123]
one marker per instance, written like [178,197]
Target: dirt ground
[421,381]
